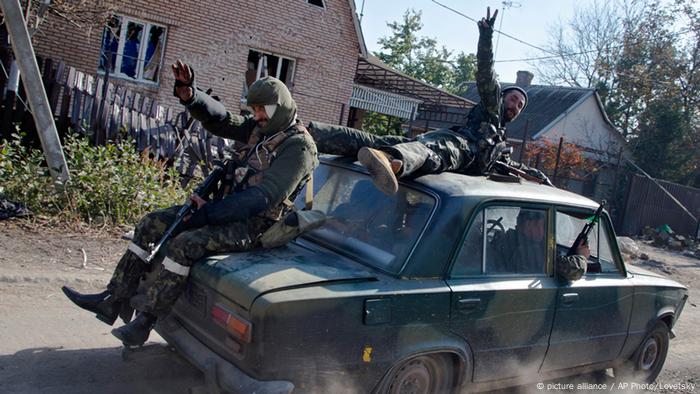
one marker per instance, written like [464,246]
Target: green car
[447,286]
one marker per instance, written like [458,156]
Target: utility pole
[38,101]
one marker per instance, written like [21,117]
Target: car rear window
[364,223]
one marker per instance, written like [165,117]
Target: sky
[528,20]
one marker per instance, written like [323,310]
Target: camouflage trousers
[177,256]
[430,153]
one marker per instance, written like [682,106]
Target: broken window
[261,64]
[318,3]
[132,49]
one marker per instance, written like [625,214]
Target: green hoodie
[296,156]
[272,91]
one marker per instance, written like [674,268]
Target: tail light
[234,324]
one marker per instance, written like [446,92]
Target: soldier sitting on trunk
[471,149]
[278,159]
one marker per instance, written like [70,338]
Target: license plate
[197,298]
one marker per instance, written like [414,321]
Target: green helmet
[271,91]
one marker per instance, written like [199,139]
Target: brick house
[312,45]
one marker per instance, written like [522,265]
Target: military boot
[136,332]
[382,167]
[103,305]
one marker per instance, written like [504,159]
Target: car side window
[570,224]
[470,259]
[605,253]
[504,240]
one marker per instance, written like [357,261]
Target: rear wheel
[423,375]
[647,362]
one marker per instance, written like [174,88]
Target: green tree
[665,137]
[420,57]
[643,57]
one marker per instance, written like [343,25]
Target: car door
[593,313]
[503,302]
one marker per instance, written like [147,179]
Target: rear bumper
[219,373]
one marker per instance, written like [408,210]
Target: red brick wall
[214,37]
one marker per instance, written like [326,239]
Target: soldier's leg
[430,153]
[113,302]
[453,151]
[346,141]
[180,254]
[188,248]
[415,157]
[132,266]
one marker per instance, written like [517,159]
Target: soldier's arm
[572,267]
[217,120]
[295,160]
[486,82]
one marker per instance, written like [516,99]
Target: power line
[677,34]
[553,54]
[497,31]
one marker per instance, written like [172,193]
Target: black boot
[136,332]
[102,304]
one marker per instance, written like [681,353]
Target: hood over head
[269,91]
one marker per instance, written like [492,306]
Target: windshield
[365,224]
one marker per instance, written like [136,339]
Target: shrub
[112,184]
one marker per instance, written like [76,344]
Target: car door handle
[569,298]
[468,304]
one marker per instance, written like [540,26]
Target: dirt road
[49,346]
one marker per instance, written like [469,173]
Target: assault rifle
[506,169]
[203,190]
[582,238]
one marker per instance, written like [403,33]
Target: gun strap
[309,196]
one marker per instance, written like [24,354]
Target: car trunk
[235,281]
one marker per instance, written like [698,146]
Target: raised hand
[184,76]
[489,21]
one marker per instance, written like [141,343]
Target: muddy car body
[407,292]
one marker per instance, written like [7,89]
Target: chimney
[524,79]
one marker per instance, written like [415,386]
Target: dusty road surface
[49,346]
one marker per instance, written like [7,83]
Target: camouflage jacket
[488,110]
[295,159]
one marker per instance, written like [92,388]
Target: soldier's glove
[198,219]
[486,24]
[189,84]
[488,152]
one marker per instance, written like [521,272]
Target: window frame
[290,71]
[140,62]
[480,209]
[610,231]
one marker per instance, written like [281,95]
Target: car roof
[452,185]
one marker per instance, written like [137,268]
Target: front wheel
[423,375]
[647,362]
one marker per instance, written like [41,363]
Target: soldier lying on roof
[471,149]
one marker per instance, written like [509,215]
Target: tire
[433,373]
[648,360]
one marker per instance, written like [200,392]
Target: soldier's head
[514,102]
[531,224]
[272,105]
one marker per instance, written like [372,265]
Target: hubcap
[415,379]
[650,352]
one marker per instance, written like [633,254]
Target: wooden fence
[103,112]
[648,205]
